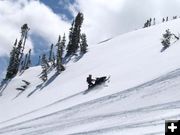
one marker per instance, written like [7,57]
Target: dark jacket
[89,79]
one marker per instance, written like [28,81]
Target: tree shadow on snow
[74,58]
[78,58]
[50,80]
[17,95]
[37,87]
[43,85]
[66,59]
[3,86]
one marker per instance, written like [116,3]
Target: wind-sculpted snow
[96,116]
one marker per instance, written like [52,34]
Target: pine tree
[74,36]
[39,60]
[63,44]
[167,18]
[22,42]
[150,20]
[146,24]
[51,53]
[83,44]
[166,38]
[163,20]
[154,21]
[23,65]
[53,60]
[17,54]
[28,62]
[45,67]
[11,69]
[59,65]
[69,46]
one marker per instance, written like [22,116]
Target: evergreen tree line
[17,53]
[166,19]
[151,21]
[77,45]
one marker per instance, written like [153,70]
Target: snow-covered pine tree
[53,60]
[163,20]
[167,18]
[22,42]
[154,21]
[51,53]
[83,44]
[24,62]
[63,44]
[45,67]
[10,70]
[146,24]
[150,22]
[28,62]
[17,54]
[59,65]
[74,36]
[166,38]
[69,46]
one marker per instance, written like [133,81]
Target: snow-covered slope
[133,100]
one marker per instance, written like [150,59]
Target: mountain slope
[132,59]
[120,113]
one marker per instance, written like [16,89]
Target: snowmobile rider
[90,81]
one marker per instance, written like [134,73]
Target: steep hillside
[127,103]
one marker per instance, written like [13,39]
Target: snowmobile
[98,81]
